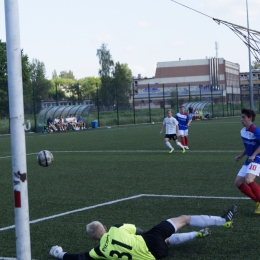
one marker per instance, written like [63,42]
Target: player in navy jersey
[184,122]
[245,180]
[126,241]
[172,131]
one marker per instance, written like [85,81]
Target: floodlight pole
[16,114]
[250,66]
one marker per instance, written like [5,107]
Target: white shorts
[253,168]
[183,132]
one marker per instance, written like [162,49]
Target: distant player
[184,122]
[245,178]
[172,131]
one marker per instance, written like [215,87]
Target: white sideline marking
[136,151]
[8,258]
[124,199]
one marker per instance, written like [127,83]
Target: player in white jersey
[172,131]
[245,180]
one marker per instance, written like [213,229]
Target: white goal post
[18,147]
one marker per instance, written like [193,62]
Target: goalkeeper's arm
[57,252]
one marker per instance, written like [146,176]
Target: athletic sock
[183,141]
[186,140]
[168,145]
[178,238]
[180,145]
[203,221]
[246,189]
[255,189]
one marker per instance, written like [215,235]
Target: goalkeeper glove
[57,252]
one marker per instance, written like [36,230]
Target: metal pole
[34,106]
[177,98]
[189,92]
[78,93]
[258,99]
[18,147]
[117,104]
[223,102]
[56,94]
[227,100]
[134,100]
[163,102]
[149,103]
[232,99]
[98,104]
[250,67]
[212,100]
[241,98]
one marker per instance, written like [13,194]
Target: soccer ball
[50,131]
[44,158]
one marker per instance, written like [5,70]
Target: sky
[65,34]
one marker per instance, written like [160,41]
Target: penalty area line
[124,199]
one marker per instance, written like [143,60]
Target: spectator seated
[81,124]
[207,116]
[51,124]
[196,115]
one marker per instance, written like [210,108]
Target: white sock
[178,238]
[203,221]
[180,145]
[168,144]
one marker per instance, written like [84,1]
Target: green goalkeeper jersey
[122,243]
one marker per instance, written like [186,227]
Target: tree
[89,87]
[67,75]
[27,89]
[54,74]
[106,63]
[41,85]
[27,85]
[4,109]
[122,79]
[255,65]
[56,92]
[74,93]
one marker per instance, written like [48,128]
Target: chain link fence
[139,106]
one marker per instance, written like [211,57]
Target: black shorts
[171,136]
[155,239]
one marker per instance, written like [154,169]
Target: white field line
[124,199]
[135,151]
[8,258]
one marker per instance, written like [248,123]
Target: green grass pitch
[125,174]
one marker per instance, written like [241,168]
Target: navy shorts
[155,239]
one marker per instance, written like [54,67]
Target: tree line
[112,87]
